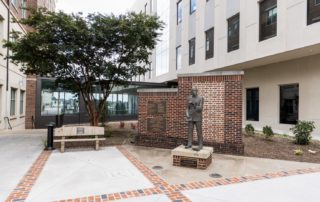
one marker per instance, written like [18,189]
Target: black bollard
[50,136]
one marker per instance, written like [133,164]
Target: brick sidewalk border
[22,190]
[174,192]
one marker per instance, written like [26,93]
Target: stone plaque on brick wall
[156,125]
[157,108]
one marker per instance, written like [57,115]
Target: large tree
[86,52]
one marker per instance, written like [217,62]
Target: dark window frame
[177,48]
[209,53]
[283,116]
[179,20]
[313,12]
[234,39]
[267,30]
[192,44]
[13,101]
[253,116]
[191,8]
[145,8]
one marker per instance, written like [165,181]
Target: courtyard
[131,173]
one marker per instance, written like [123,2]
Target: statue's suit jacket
[195,109]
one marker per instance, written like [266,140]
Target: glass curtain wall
[56,101]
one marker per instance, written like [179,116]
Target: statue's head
[194,91]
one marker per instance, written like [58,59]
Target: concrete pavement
[83,173]
[288,189]
[126,174]
[18,151]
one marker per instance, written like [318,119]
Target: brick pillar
[222,113]
[30,101]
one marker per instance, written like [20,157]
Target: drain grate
[215,175]
[157,167]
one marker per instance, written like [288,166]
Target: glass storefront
[55,101]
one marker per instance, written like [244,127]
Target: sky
[89,6]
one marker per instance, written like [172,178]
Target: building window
[313,11]
[13,98]
[192,51]
[253,104]
[289,104]
[268,19]
[14,3]
[150,71]
[145,8]
[209,43]
[178,57]
[22,102]
[24,9]
[56,101]
[233,32]
[193,6]
[179,12]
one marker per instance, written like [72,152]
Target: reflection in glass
[289,104]
[56,101]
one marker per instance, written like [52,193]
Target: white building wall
[17,79]
[268,79]
[289,57]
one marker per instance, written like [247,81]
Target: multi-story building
[275,43]
[12,80]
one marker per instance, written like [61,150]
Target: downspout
[8,51]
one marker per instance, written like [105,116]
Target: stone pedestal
[190,158]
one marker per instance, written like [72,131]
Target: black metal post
[50,136]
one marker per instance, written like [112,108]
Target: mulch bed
[280,148]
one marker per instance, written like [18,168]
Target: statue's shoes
[188,147]
[197,149]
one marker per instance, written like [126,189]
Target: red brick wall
[30,101]
[222,115]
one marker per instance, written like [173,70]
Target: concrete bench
[80,134]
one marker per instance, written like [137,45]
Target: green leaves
[82,51]
[302,131]
[96,47]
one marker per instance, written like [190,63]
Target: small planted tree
[268,132]
[89,54]
[249,129]
[302,132]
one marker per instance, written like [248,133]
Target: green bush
[267,131]
[302,132]
[249,129]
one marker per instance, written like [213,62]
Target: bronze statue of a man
[194,118]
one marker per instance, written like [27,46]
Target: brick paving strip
[22,190]
[174,192]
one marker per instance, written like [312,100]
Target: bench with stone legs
[79,134]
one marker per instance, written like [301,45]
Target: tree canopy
[82,52]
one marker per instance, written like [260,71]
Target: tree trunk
[95,119]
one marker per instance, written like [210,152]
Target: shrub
[267,131]
[107,133]
[249,129]
[302,132]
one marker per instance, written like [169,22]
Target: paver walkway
[116,173]
[17,154]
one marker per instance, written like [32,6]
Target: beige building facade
[276,43]
[12,81]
